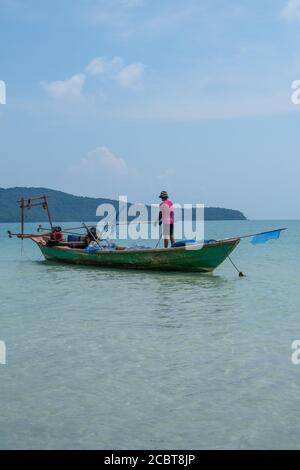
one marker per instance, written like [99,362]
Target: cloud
[96,66]
[113,69]
[130,76]
[103,161]
[100,65]
[101,171]
[71,87]
[291,11]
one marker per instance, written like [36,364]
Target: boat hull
[200,258]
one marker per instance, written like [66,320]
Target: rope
[240,272]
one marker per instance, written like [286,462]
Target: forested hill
[68,208]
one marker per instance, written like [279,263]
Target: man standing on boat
[166,218]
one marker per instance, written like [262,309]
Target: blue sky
[109,97]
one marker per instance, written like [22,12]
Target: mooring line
[241,274]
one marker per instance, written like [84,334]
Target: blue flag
[266,236]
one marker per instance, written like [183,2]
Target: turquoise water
[103,359]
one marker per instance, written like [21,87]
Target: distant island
[68,208]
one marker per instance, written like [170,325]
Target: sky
[110,97]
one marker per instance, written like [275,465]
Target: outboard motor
[56,236]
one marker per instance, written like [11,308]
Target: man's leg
[172,234]
[166,235]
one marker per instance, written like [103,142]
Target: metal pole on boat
[90,233]
[22,216]
[160,237]
[255,234]
[46,206]
[40,228]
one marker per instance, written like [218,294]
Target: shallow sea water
[109,359]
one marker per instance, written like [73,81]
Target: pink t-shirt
[167,211]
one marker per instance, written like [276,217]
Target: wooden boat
[191,257]
[203,258]
[198,257]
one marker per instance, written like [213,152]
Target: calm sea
[104,359]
